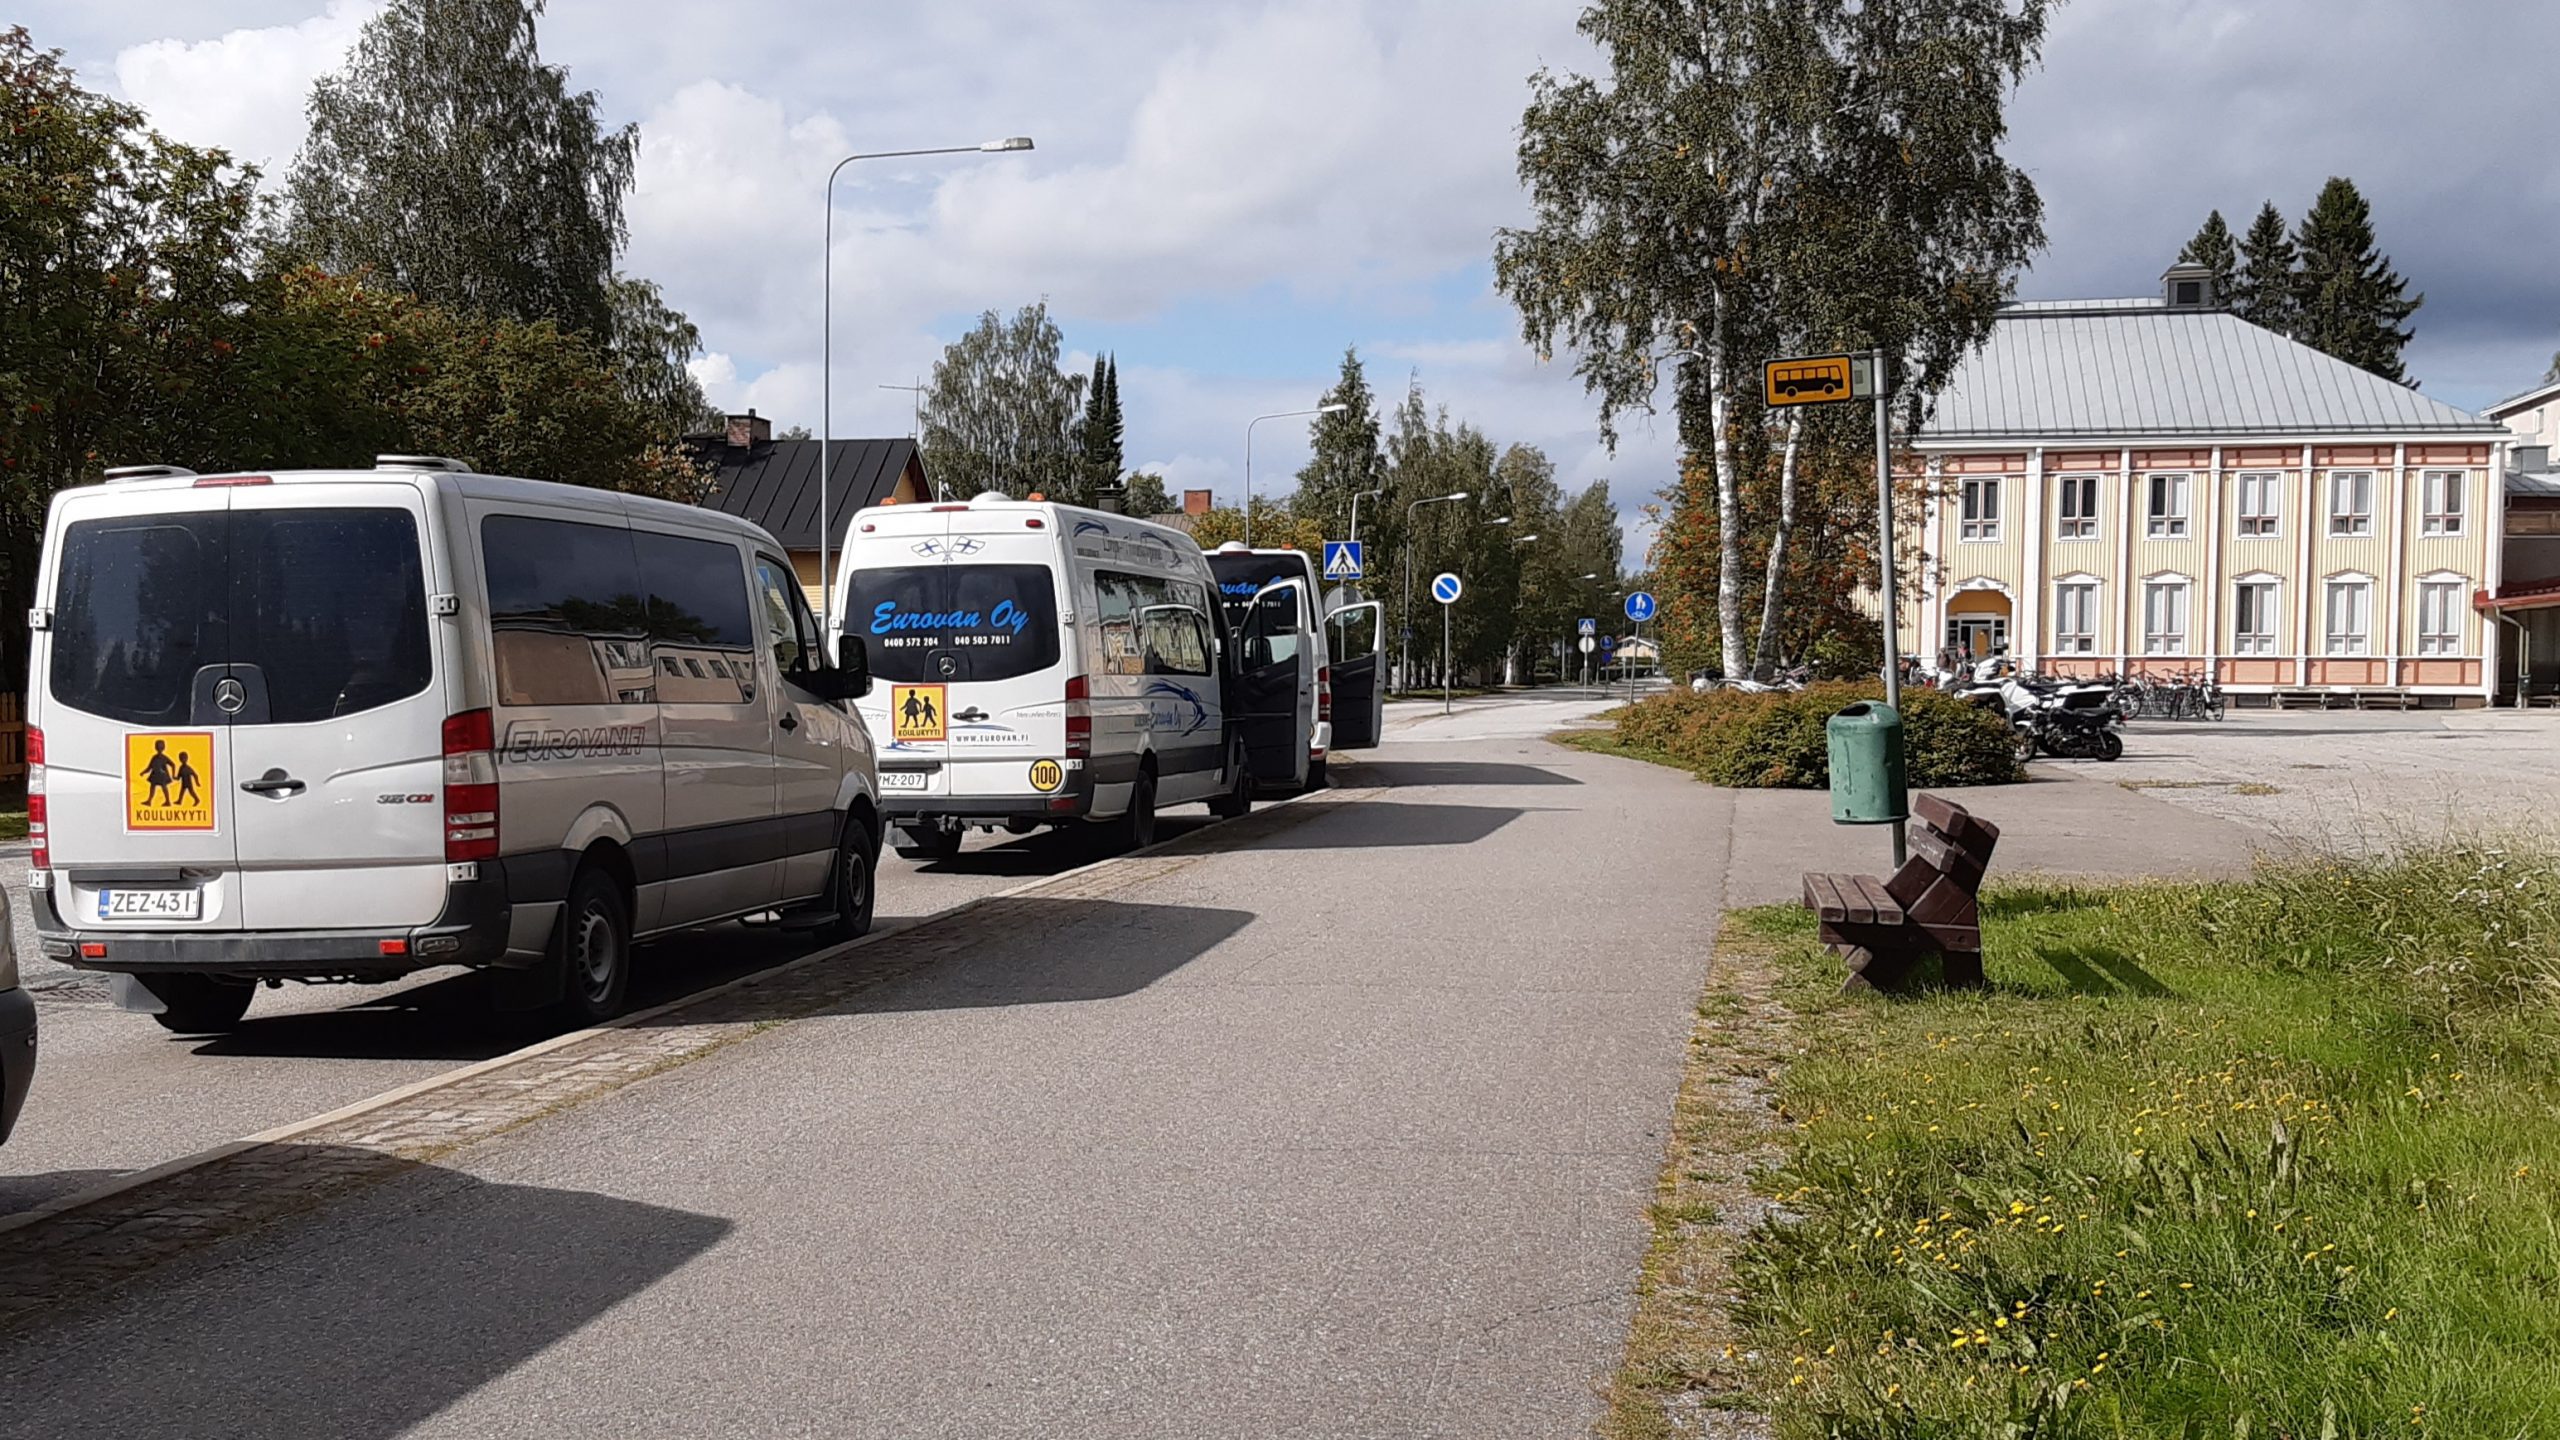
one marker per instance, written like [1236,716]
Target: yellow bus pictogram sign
[1047,775]
[1817,380]
[919,712]
[168,780]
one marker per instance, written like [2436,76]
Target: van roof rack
[420,462]
[148,472]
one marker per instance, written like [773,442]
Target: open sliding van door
[1274,683]
[1356,636]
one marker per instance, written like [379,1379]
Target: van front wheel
[198,1004]
[857,859]
[594,949]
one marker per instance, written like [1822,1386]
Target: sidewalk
[1346,1132]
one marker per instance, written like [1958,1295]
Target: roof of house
[2135,368]
[775,482]
[2537,484]
[2547,390]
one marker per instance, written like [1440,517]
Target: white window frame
[1978,508]
[2082,526]
[2333,639]
[2347,521]
[2169,523]
[2440,608]
[2263,641]
[2442,495]
[2179,593]
[2259,524]
[2067,640]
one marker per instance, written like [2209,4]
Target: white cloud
[242,91]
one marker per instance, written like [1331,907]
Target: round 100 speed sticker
[1047,775]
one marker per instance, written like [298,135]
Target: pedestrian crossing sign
[1587,626]
[1342,560]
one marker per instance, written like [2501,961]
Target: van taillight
[470,787]
[1079,719]
[1324,694]
[39,846]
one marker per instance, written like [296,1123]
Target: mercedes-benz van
[347,725]
[1042,665]
[1326,669]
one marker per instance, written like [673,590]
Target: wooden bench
[1932,905]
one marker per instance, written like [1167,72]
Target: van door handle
[274,782]
[788,721]
[973,714]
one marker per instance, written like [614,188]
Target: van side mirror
[853,668]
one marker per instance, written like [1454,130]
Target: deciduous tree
[1000,415]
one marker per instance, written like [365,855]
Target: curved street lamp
[826,344]
[1334,409]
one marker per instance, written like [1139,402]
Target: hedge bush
[1777,741]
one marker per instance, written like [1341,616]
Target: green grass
[13,824]
[2267,1159]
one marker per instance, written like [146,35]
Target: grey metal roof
[2535,396]
[2136,368]
[775,483]
[2542,484]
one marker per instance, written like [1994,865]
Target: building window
[2350,614]
[2350,502]
[2164,617]
[2168,506]
[2442,492]
[2253,618]
[2075,618]
[2261,500]
[2075,506]
[2440,617]
[1981,518]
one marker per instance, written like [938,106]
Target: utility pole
[915,427]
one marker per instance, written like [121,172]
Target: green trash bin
[1865,742]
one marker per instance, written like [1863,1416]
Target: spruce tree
[2262,292]
[1346,459]
[2353,302]
[2214,249]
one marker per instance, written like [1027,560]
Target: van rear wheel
[198,1004]
[1136,830]
[593,947]
[1238,801]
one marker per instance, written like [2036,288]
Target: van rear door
[1356,636]
[137,753]
[1275,682]
[967,656]
[336,780]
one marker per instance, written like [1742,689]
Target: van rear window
[955,622]
[320,612]
[1241,577]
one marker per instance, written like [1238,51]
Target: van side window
[564,603]
[788,629]
[1177,640]
[698,608]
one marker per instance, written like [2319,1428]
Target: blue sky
[1226,193]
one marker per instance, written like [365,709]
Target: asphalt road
[114,1092]
[1347,1130]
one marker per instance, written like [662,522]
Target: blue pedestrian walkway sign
[1640,606]
[1342,560]
[1586,626]
[1446,588]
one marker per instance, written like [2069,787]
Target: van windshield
[320,612]
[927,623]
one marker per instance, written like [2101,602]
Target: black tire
[593,949]
[2216,708]
[928,844]
[2026,746]
[199,1004]
[2110,745]
[853,890]
[1315,774]
[1238,801]
[1136,827]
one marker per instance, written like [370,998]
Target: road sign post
[1446,588]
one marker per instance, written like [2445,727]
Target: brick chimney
[1195,502]
[749,430]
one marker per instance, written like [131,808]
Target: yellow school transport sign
[917,712]
[168,780]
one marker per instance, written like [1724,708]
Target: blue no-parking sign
[1343,561]
[1446,588]
[1640,606]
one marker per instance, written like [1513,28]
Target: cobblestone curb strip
[87,1243]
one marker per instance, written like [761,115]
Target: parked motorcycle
[2072,721]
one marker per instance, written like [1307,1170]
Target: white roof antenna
[420,462]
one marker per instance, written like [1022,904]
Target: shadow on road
[1026,950]
[414,1296]
[1458,772]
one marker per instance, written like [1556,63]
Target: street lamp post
[1356,498]
[1333,409]
[826,342]
[1405,642]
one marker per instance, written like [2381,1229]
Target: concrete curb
[282,1134]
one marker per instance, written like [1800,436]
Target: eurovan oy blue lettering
[888,619]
